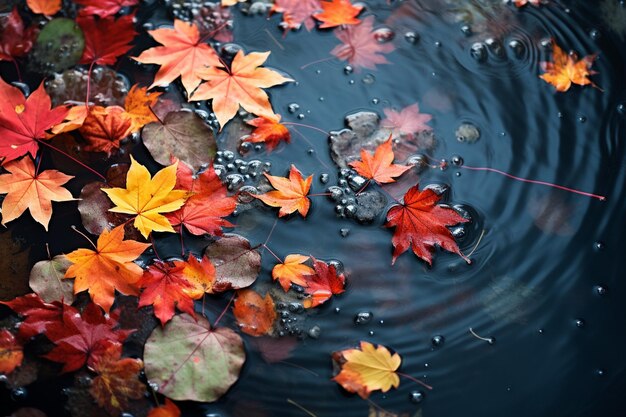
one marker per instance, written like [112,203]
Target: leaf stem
[486,339]
[292,402]
[89,84]
[217,320]
[482,233]
[17,70]
[417,381]
[307,126]
[93,171]
[154,248]
[319,61]
[74,228]
[272,253]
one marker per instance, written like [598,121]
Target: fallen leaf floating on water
[45,7]
[406,122]
[296,13]
[237,265]
[367,369]
[292,271]
[108,268]
[106,39]
[72,121]
[148,197]
[104,128]
[290,194]
[521,3]
[27,190]
[24,121]
[379,167]
[255,315]
[181,55]
[360,48]
[325,283]
[269,131]
[11,354]
[15,42]
[241,85]
[227,3]
[46,279]
[103,8]
[37,314]
[337,13]
[169,409]
[567,69]
[421,224]
[138,105]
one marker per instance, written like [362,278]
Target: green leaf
[59,46]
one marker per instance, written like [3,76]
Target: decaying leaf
[237,265]
[290,194]
[46,279]
[255,314]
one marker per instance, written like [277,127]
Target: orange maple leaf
[337,13]
[290,194]
[292,271]
[27,189]
[567,70]
[168,410]
[108,268]
[379,167]
[138,106]
[241,85]
[11,353]
[104,128]
[255,314]
[268,130]
[45,7]
[73,120]
[182,54]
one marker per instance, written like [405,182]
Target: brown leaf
[237,265]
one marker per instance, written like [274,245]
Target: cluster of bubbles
[351,201]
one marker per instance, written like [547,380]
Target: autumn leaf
[11,354]
[325,283]
[103,8]
[46,279]
[237,264]
[38,315]
[108,268]
[104,128]
[181,55]
[45,7]
[268,130]
[379,167]
[337,13]
[241,85]
[406,122]
[148,197]
[106,39]
[421,224]
[255,314]
[15,42]
[226,3]
[23,122]
[201,275]
[292,271]
[72,121]
[169,409]
[521,3]
[290,194]
[296,13]
[368,369]
[567,70]
[27,190]
[360,48]
[138,105]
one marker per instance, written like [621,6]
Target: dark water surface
[559,341]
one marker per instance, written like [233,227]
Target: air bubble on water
[363,317]
[456,160]
[301,116]
[580,323]
[582,119]
[517,47]
[19,394]
[466,30]
[411,37]
[621,108]
[375,101]
[351,82]
[416,397]
[383,35]
[337,310]
[437,44]
[495,47]
[478,51]
[438,341]
[598,246]
[324,178]
[368,79]
[344,232]
[601,290]
[371,333]
[348,69]
[546,43]
[595,34]
[600,372]
[293,108]
[321,99]
[540,331]
[318,71]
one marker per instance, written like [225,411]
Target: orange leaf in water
[110,267]
[45,7]
[241,85]
[296,13]
[360,48]
[337,13]
[367,369]
[325,283]
[168,410]
[26,189]
[421,224]
[290,194]
[567,69]
[11,354]
[255,314]
[104,128]
[73,120]
[268,130]
[292,271]
[138,105]
[181,55]
[379,167]
[106,39]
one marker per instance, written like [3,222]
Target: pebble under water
[535,325]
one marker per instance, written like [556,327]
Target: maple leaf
[181,55]
[255,314]
[138,106]
[23,122]
[520,3]
[209,202]
[420,224]
[241,85]
[105,127]
[106,39]
[323,284]
[201,275]
[83,337]
[148,197]
[27,190]
[567,70]
[38,315]
[226,3]
[292,271]
[45,7]
[290,194]
[110,267]
[268,130]
[15,42]
[337,13]
[360,48]
[73,120]
[296,13]
[406,122]
[168,410]
[11,354]
[103,8]
[367,369]
[379,167]
[117,381]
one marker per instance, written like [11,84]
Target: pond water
[544,292]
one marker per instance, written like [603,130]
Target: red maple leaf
[421,224]
[23,122]
[360,48]
[269,131]
[296,13]
[103,8]
[15,42]
[106,39]
[38,315]
[83,337]
[323,284]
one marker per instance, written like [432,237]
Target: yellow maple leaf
[148,197]
[138,106]
[292,271]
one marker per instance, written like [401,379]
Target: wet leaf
[169,409]
[296,13]
[567,69]
[15,41]
[379,167]
[173,355]
[74,120]
[368,369]
[110,267]
[360,48]
[290,194]
[38,315]
[237,265]
[15,263]
[139,105]
[268,131]
[255,315]
[241,85]
[407,122]
[103,8]
[59,45]
[106,39]
[324,284]
[184,135]
[46,279]
[227,3]
[337,13]
[421,224]
[45,7]
[292,271]
[104,128]
[11,354]
[521,3]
